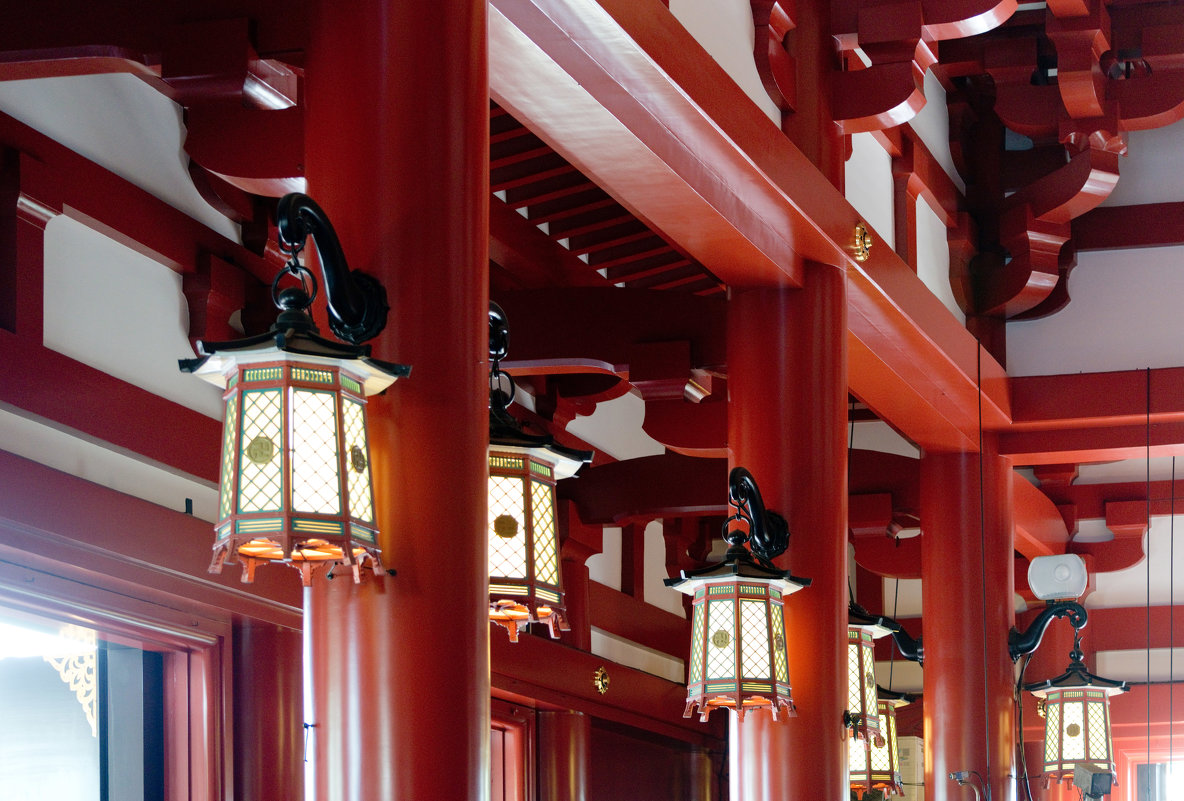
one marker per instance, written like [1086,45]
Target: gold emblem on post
[721,639]
[357,458]
[600,680]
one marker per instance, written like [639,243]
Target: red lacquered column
[268,713]
[967,611]
[787,386]
[397,155]
[563,742]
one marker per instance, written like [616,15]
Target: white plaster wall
[122,124]
[657,593]
[605,566]
[120,312]
[932,124]
[724,29]
[1124,314]
[615,428]
[1128,587]
[933,258]
[1150,171]
[868,187]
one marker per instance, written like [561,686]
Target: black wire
[982,542]
[1147,556]
[1019,685]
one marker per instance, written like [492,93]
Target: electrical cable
[1147,556]
[982,541]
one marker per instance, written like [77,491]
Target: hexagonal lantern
[739,655]
[525,582]
[295,476]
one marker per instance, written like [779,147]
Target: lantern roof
[738,564]
[1077,676]
[506,433]
[292,335]
[895,698]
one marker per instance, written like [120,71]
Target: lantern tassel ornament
[738,650]
[1076,718]
[295,477]
[525,585]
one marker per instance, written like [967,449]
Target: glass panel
[754,640]
[261,476]
[857,758]
[1099,734]
[229,432]
[316,486]
[882,755]
[854,676]
[546,551]
[779,656]
[507,535]
[357,461]
[721,639]
[1073,731]
[1052,734]
[695,671]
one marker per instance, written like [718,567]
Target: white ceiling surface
[1124,314]
[1150,171]
[724,28]
[122,124]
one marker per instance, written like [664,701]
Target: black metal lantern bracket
[1025,642]
[357,302]
[1077,674]
[766,532]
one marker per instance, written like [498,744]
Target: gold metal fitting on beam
[863,242]
[600,680]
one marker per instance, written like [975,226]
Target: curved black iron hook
[768,531]
[1025,642]
[357,302]
[499,333]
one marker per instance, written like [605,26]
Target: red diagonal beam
[70,394]
[627,95]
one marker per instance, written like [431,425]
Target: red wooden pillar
[268,713]
[564,739]
[967,609]
[787,383]
[397,154]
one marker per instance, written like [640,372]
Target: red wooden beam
[640,622]
[1122,227]
[70,394]
[552,673]
[152,552]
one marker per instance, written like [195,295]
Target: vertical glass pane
[507,527]
[695,671]
[721,639]
[857,758]
[357,460]
[1099,730]
[1073,729]
[882,755]
[261,470]
[780,666]
[754,640]
[229,432]
[546,547]
[854,675]
[1052,733]
[316,486]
